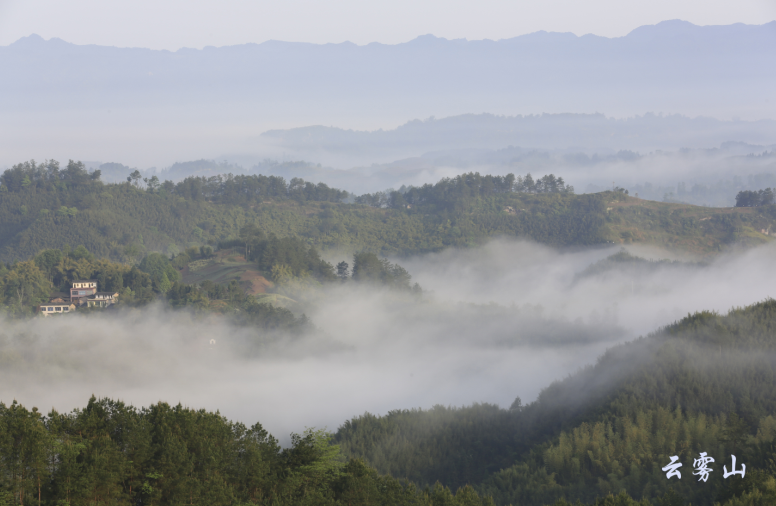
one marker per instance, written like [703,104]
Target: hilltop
[124,222]
[701,231]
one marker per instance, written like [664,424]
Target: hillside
[703,384]
[682,227]
[224,267]
[124,222]
[706,383]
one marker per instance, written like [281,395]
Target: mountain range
[204,102]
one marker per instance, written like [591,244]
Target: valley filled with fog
[493,323]
[445,271]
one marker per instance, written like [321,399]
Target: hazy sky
[172,24]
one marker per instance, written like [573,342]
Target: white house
[55,308]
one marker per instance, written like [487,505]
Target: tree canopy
[113,453]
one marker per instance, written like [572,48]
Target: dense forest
[703,384]
[112,453]
[43,206]
[601,436]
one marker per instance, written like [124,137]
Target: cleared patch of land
[225,266]
[701,231]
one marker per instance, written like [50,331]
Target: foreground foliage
[112,453]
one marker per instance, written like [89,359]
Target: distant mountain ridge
[148,107]
[588,132]
[670,58]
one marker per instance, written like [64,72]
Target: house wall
[44,309]
[82,292]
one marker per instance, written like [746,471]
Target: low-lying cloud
[495,322]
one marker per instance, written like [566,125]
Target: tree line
[46,176]
[241,189]
[751,198]
[112,453]
[125,222]
[454,193]
[237,189]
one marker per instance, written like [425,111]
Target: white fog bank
[495,322]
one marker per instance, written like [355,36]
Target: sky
[173,24]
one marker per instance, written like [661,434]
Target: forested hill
[704,384]
[44,206]
[113,453]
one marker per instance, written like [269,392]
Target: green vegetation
[221,268]
[111,453]
[748,198]
[124,222]
[295,268]
[287,256]
[457,445]
[719,193]
[602,435]
[456,193]
[43,207]
[703,384]
[25,285]
[702,231]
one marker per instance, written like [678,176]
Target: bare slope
[225,266]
